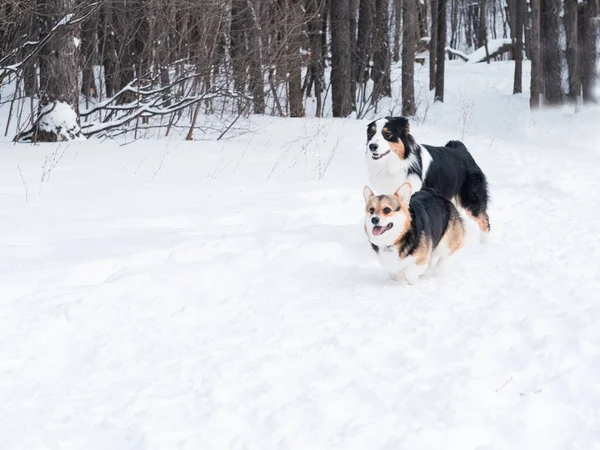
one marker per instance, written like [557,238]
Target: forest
[112,66]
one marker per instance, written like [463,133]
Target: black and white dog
[394,157]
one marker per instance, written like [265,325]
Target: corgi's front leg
[398,276]
[414,271]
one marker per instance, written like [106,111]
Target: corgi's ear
[404,192]
[367,193]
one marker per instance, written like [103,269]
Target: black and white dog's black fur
[394,157]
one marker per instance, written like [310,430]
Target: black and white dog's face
[385,138]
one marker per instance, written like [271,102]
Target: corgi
[393,157]
[412,233]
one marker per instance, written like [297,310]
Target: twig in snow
[232,123]
[163,155]
[501,387]
[331,156]
[50,162]
[243,154]
[139,166]
[466,114]
[25,185]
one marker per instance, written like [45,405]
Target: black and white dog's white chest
[387,174]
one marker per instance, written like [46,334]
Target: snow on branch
[495,47]
[461,55]
[64,24]
[148,102]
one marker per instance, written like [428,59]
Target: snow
[65,20]
[222,294]
[59,117]
[459,53]
[493,46]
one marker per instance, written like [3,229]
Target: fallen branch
[458,53]
[153,107]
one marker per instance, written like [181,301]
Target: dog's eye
[387,210]
[387,135]
[371,210]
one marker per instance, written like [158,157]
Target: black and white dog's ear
[401,123]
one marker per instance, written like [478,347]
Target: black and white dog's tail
[455,144]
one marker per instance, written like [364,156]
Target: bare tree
[551,58]
[315,11]
[256,72]
[536,55]
[382,86]
[89,45]
[441,51]
[482,32]
[59,63]
[341,60]
[409,47]
[588,30]
[519,22]
[433,44]
[397,29]
[572,38]
[294,62]
[364,42]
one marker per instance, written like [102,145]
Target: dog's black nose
[375,220]
[373,147]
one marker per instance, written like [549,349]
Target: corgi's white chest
[391,261]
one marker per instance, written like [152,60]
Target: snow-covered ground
[222,294]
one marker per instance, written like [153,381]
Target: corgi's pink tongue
[378,231]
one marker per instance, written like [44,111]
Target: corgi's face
[385,138]
[387,217]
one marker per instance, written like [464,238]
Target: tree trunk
[474,25]
[422,19]
[433,43]
[238,48]
[364,44]
[536,55]
[482,32]
[60,61]
[314,10]
[518,46]
[409,47]
[441,52]
[341,61]
[571,32]
[551,58]
[108,49]
[454,26]
[29,69]
[468,26]
[352,68]
[381,55]
[511,6]
[588,11]
[125,25]
[397,29]
[294,58]
[88,45]
[59,88]
[326,23]
[528,37]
